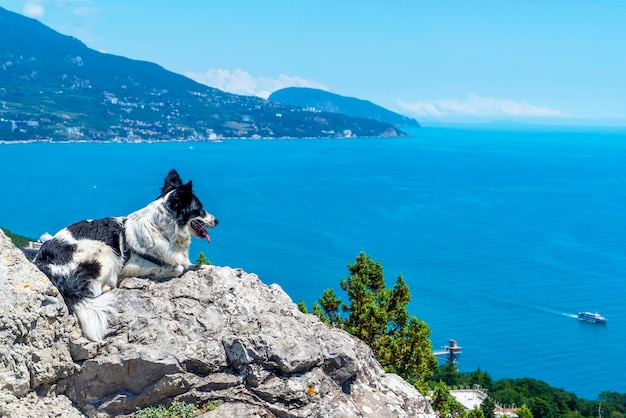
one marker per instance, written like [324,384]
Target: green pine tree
[379,317]
[488,407]
[202,260]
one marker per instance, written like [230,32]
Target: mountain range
[53,87]
[324,101]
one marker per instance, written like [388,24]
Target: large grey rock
[35,331]
[214,334]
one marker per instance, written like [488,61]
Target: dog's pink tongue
[207,236]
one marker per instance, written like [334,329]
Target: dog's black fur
[87,259]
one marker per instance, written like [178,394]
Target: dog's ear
[181,198]
[172,181]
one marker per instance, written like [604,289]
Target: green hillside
[56,88]
[18,240]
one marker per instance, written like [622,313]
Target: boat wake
[565,314]
[556,312]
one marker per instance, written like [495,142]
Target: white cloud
[63,4]
[242,82]
[33,8]
[85,11]
[477,106]
[37,8]
[422,109]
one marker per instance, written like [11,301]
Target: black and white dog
[87,259]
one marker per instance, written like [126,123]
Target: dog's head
[186,207]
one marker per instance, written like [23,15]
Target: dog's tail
[93,315]
[92,312]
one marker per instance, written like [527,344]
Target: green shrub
[202,260]
[174,410]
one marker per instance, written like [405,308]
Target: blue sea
[503,235]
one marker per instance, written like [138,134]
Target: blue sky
[544,62]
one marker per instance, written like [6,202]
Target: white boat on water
[594,317]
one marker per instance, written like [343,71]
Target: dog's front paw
[179,270]
[193,267]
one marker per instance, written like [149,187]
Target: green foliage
[475,413]
[450,375]
[174,410]
[317,311]
[202,260]
[540,408]
[18,240]
[302,307]
[536,397]
[480,378]
[379,317]
[444,403]
[488,408]
[613,404]
[524,412]
[331,305]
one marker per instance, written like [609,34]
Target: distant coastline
[91,141]
[156,141]
[607,129]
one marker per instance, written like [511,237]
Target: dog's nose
[216,222]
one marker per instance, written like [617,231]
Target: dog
[89,258]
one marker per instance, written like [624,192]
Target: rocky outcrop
[216,334]
[35,335]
